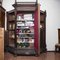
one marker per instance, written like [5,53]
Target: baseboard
[50,51]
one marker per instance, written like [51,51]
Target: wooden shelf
[11,38]
[12,45]
[41,21]
[12,21]
[25,26]
[27,37]
[11,29]
[24,20]
[24,48]
[26,33]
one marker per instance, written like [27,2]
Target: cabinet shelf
[25,26]
[24,48]
[26,33]
[11,38]
[24,20]
[11,29]
[41,21]
[28,42]
[26,37]
[12,45]
[12,21]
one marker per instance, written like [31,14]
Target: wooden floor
[44,56]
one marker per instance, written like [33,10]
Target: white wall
[52,8]
[7,4]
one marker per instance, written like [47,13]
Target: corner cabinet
[23,29]
[43,31]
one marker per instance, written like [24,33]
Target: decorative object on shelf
[40,26]
[28,16]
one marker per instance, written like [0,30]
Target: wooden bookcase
[22,24]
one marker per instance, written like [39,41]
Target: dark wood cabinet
[58,36]
[42,31]
[22,25]
[2,17]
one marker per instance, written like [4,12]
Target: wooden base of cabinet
[23,52]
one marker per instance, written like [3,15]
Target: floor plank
[43,56]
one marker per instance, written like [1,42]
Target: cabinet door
[11,38]
[25,30]
[11,29]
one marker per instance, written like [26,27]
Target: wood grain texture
[1,43]
[44,56]
[2,17]
[38,28]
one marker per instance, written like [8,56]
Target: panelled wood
[2,17]
[44,56]
[1,43]
[38,29]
